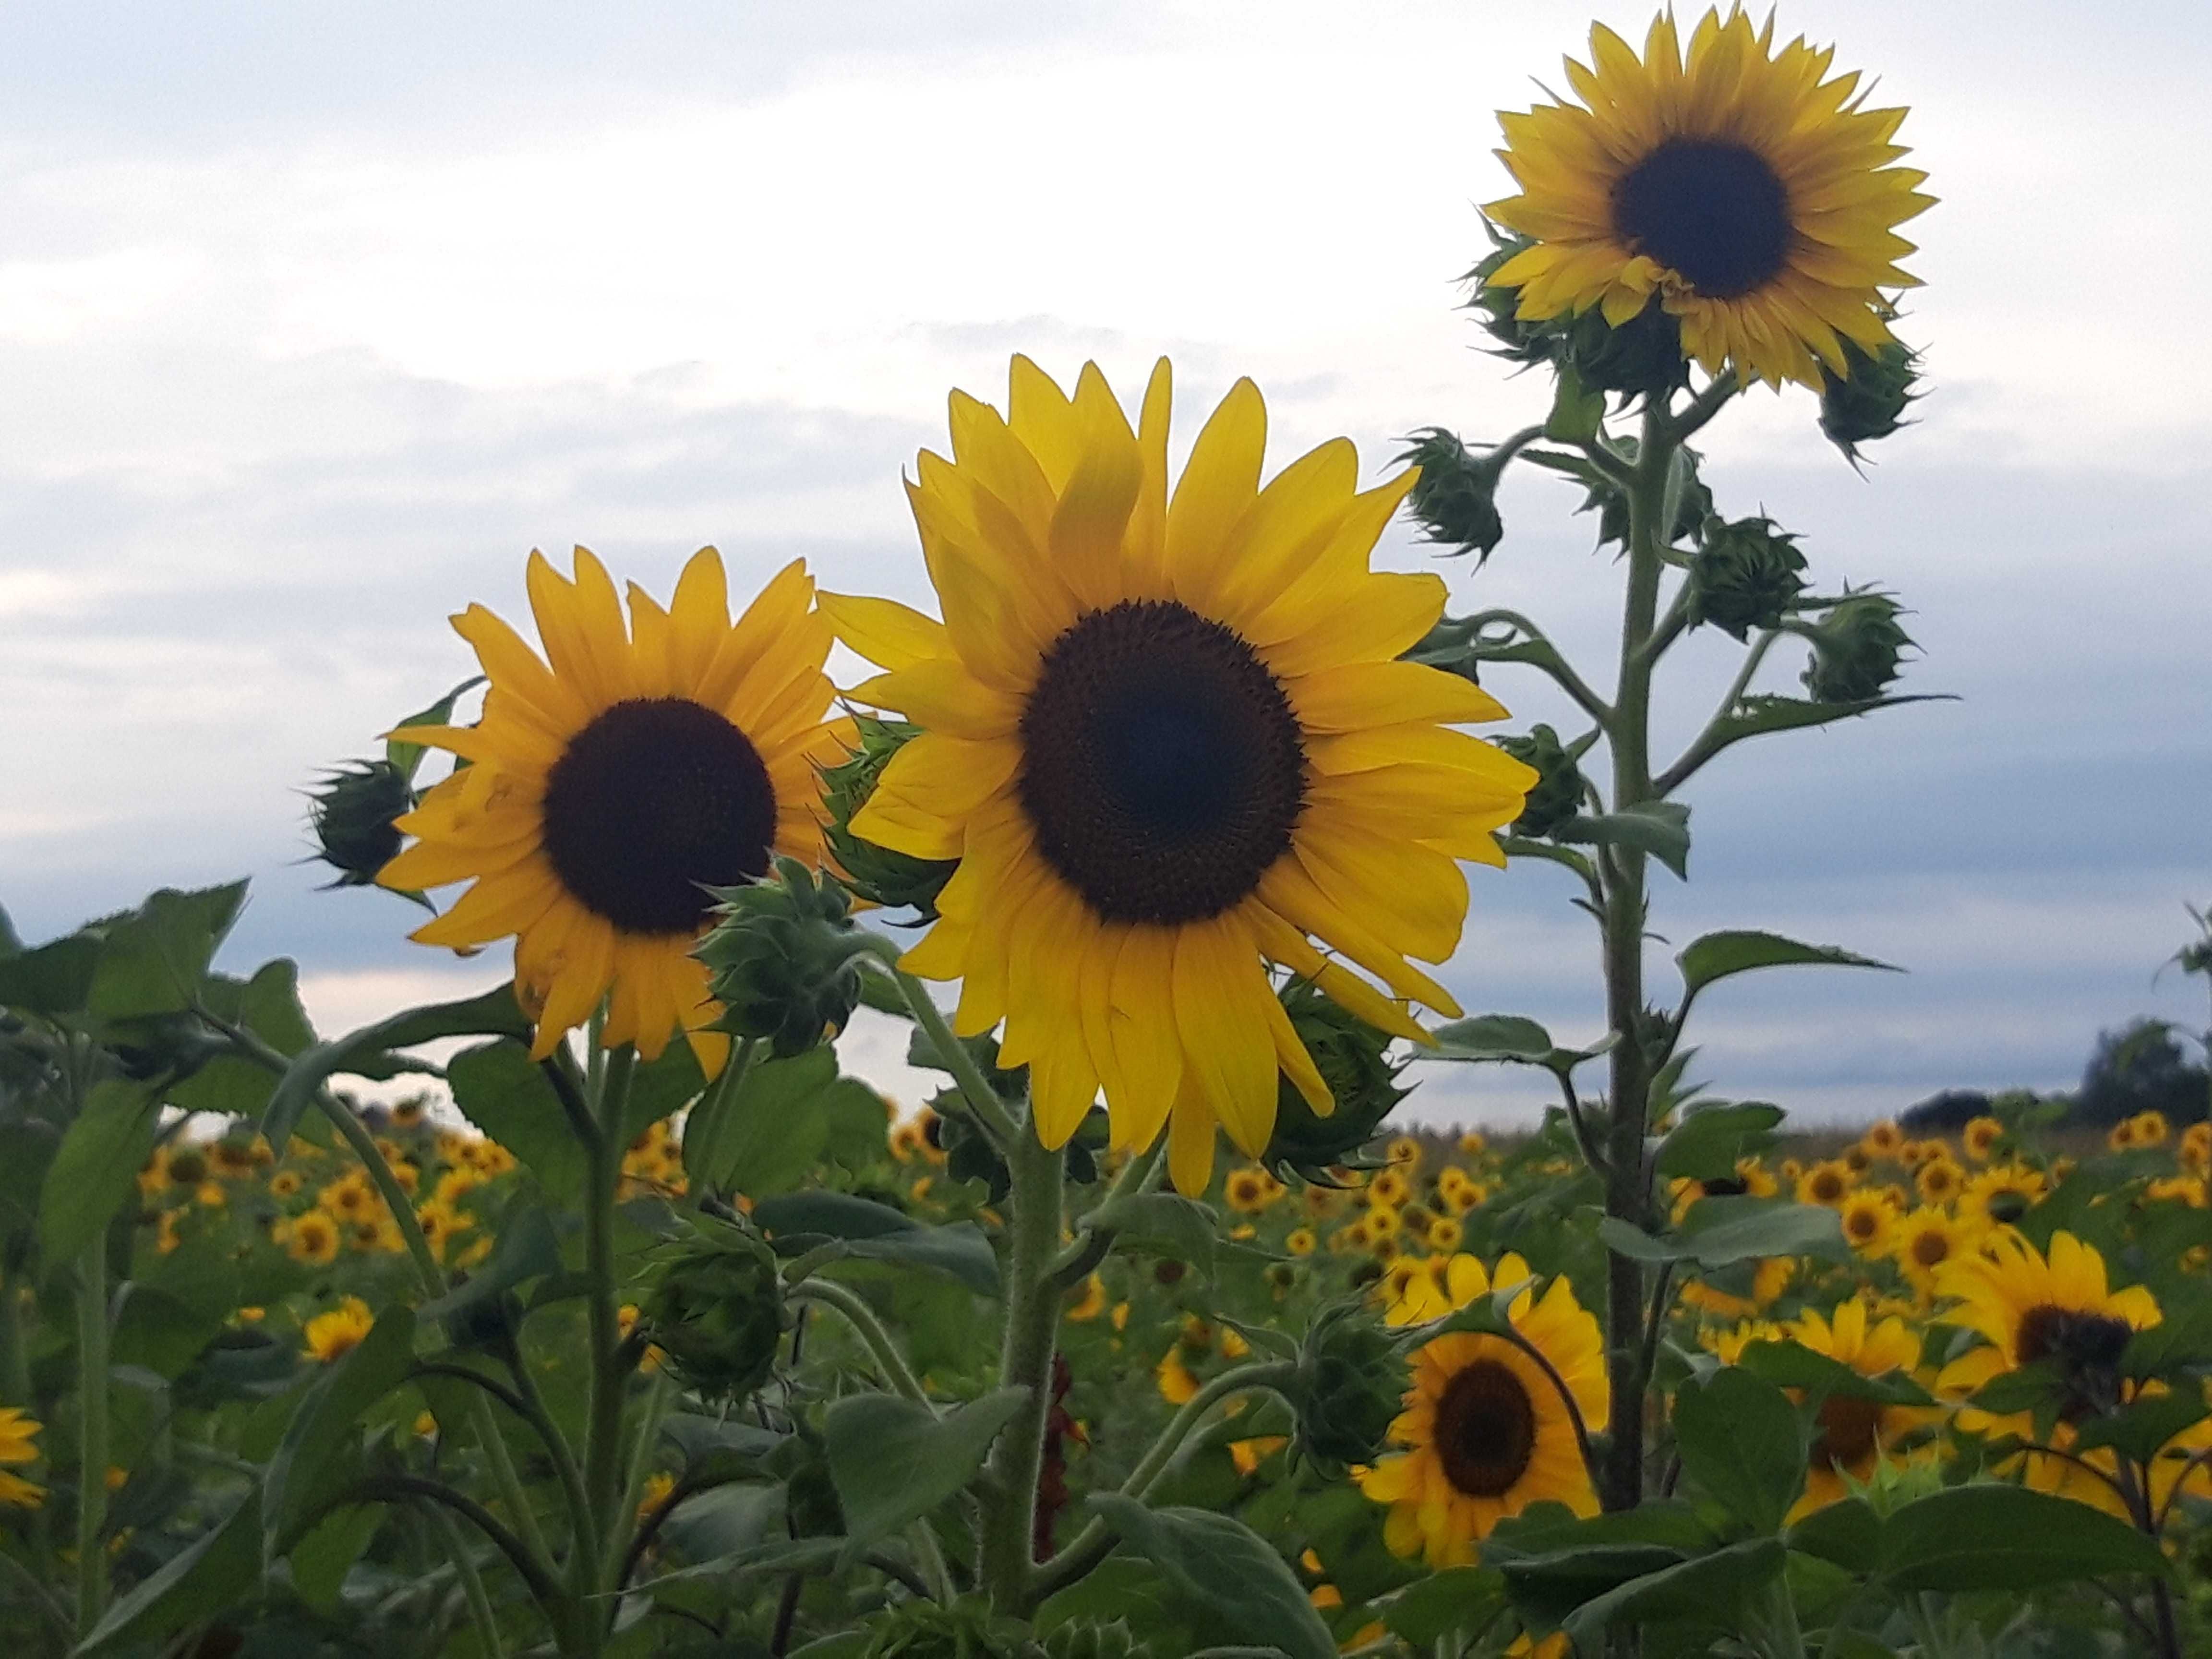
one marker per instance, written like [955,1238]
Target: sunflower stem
[856,1313]
[605,1375]
[1627,1182]
[1036,1200]
[92,1433]
[967,1075]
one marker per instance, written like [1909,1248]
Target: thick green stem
[607,1375]
[473,1585]
[92,1433]
[975,1088]
[1025,1362]
[861,1318]
[1627,1184]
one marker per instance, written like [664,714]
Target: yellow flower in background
[1487,1430]
[1299,1241]
[1176,1381]
[1924,1240]
[2194,1149]
[17,1429]
[2029,1307]
[1855,1434]
[1387,1190]
[2001,1194]
[1090,1303]
[611,779]
[658,1485]
[331,1336]
[1744,187]
[1826,1182]
[1940,1181]
[311,1238]
[1167,733]
[1870,1223]
[1980,1137]
[1883,1140]
[1248,1191]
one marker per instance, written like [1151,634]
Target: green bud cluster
[1455,499]
[714,1306]
[784,958]
[1349,1386]
[963,1629]
[893,880]
[1857,648]
[1746,574]
[1610,502]
[1560,787]
[1642,358]
[1352,1058]
[352,815]
[1868,402]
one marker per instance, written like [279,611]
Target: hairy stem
[1032,1328]
[605,1375]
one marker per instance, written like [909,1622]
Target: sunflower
[1299,1242]
[607,790]
[1168,737]
[1870,1221]
[1826,1182]
[1980,1137]
[1387,1190]
[1246,1191]
[17,1427]
[1854,1433]
[1940,1180]
[2001,1193]
[1747,188]
[331,1336]
[311,1238]
[1883,1140]
[1924,1241]
[1488,1432]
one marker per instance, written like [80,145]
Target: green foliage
[1354,1059]
[1560,787]
[784,958]
[1858,648]
[714,1304]
[895,1460]
[1455,499]
[1867,402]
[1747,573]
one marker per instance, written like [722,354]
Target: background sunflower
[1748,189]
[610,782]
[1168,738]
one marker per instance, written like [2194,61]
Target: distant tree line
[2141,1067]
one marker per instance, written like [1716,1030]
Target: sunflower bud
[1642,357]
[1455,499]
[1746,574]
[715,1307]
[1351,1057]
[1867,403]
[1560,787]
[784,959]
[965,1629]
[891,880]
[1350,1385]
[1857,649]
[352,815]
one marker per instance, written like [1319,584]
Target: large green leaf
[1455,1599]
[1706,1591]
[1706,1143]
[1237,1589]
[1847,1533]
[1995,1537]
[95,1167]
[527,1248]
[1719,1231]
[175,1311]
[893,1459]
[369,1051]
[1716,956]
[54,979]
[501,1090]
[845,1228]
[767,1136]
[268,1004]
[1739,1440]
[1492,1036]
[1166,1224]
[216,1572]
[1793,1365]
[1758,714]
[327,1423]
[153,960]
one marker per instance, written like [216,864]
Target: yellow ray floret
[1167,735]
[611,778]
[1750,191]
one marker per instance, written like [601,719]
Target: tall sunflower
[1167,735]
[1488,1433]
[1856,1434]
[1748,189]
[610,779]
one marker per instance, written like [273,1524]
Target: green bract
[1350,1386]
[1560,788]
[352,813]
[714,1307]
[1354,1059]
[893,880]
[784,959]
[1868,404]
[1746,574]
[1456,499]
[1857,647]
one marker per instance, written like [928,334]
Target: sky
[314,320]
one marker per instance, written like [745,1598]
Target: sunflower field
[605,1313]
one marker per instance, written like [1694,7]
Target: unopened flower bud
[1858,647]
[784,958]
[893,880]
[963,1629]
[1353,1060]
[1350,1385]
[715,1307]
[1746,574]
[1455,499]
[352,815]
[1868,401]
[1560,787]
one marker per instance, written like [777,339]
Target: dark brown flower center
[1862,1225]
[1931,1248]
[1709,210]
[2083,1348]
[655,798]
[1827,1186]
[1162,767]
[1851,1431]
[1485,1429]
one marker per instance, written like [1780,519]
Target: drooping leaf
[216,1572]
[267,1004]
[1998,1537]
[1455,1599]
[1706,1143]
[1493,1037]
[95,1167]
[327,1424]
[526,1247]
[1793,1365]
[498,1088]
[152,961]
[1705,1591]
[56,978]
[859,1229]
[893,1459]
[1739,1440]
[1237,1588]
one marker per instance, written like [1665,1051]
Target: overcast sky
[315,318]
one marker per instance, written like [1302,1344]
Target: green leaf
[96,1168]
[54,979]
[268,1004]
[1990,1537]
[863,1230]
[893,1459]
[406,757]
[152,961]
[322,1558]
[1554,1561]
[169,1315]
[1505,1037]
[1739,1439]
[1847,1533]
[2141,1429]
[770,1133]
[1793,1365]
[1577,416]
[1460,1600]
[527,1248]
[1719,1231]
[214,1573]
[2182,1339]
[1716,956]
[326,1422]
[1706,1591]
[368,1051]
[1239,1590]
[1168,1224]
[1758,714]
[1706,1143]
[1660,828]
[501,1090]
